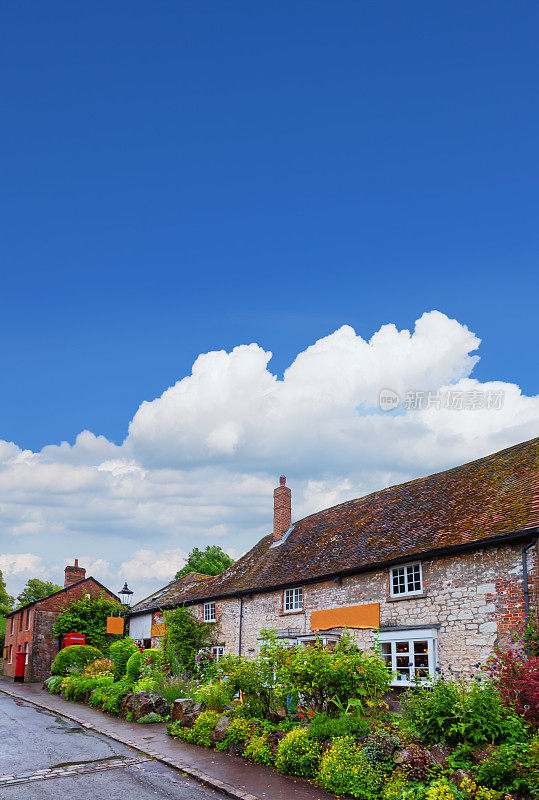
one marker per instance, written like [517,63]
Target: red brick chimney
[282,510]
[74,574]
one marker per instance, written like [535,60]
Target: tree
[184,637]
[89,617]
[211,561]
[35,590]
[6,601]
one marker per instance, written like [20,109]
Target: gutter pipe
[526,586]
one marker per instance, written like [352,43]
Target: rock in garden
[142,703]
[219,732]
[440,752]
[184,707]
[401,756]
[236,748]
[458,776]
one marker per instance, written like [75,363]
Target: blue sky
[180,177]
[186,177]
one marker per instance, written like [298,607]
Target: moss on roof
[488,497]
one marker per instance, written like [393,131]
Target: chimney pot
[282,509]
[74,573]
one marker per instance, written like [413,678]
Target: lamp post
[125,595]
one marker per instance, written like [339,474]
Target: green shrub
[259,751]
[250,679]
[171,688]
[184,637]
[379,746]
[513,767]
[328,679]
[78,687]
[442,789]
[120,652]
[151,717]
[240,730]
[298,754]
[54,684]
[110,697]
[100,666]
[323,726]
[145,685]
[455,712]
[201,731]
[213,695]
[344,769]
[74,657]
[148,661]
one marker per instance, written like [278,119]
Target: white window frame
[404,676]
[218,651]
[209,612]
[406,576]
[12,626]
[28,616]
[10,654]
[293,600]
[26,651]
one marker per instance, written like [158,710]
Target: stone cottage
[438,570]
[29,628]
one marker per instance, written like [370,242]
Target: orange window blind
[158,630]
[365,616]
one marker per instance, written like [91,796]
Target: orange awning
[364,616]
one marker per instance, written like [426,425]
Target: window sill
[290,613]
[407,597]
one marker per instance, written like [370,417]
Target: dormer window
[209,612]
[406,580]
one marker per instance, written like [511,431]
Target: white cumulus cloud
[200,462]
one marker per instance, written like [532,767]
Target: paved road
[50,754]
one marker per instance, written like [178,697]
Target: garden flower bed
[321,715]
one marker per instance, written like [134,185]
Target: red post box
[73,638]
[20,661]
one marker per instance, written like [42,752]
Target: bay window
[410,654]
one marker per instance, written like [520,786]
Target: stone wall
[476,598]
[44,646]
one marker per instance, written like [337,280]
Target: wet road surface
[43,754]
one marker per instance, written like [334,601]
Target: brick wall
[42,643]
[476,598]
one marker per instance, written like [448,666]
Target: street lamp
[125,595]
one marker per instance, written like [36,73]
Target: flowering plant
[517,678]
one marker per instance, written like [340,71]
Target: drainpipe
[526,586]
[241,620]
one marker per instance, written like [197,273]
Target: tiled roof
[486,498]
[173,593]
[59,591]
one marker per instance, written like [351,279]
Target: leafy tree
[89,617]
[184,637]
[6,602]
[35,590]
[211,561]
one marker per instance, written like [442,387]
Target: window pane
[402,647]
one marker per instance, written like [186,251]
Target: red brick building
[29,629]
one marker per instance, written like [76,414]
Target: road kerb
[202,777]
